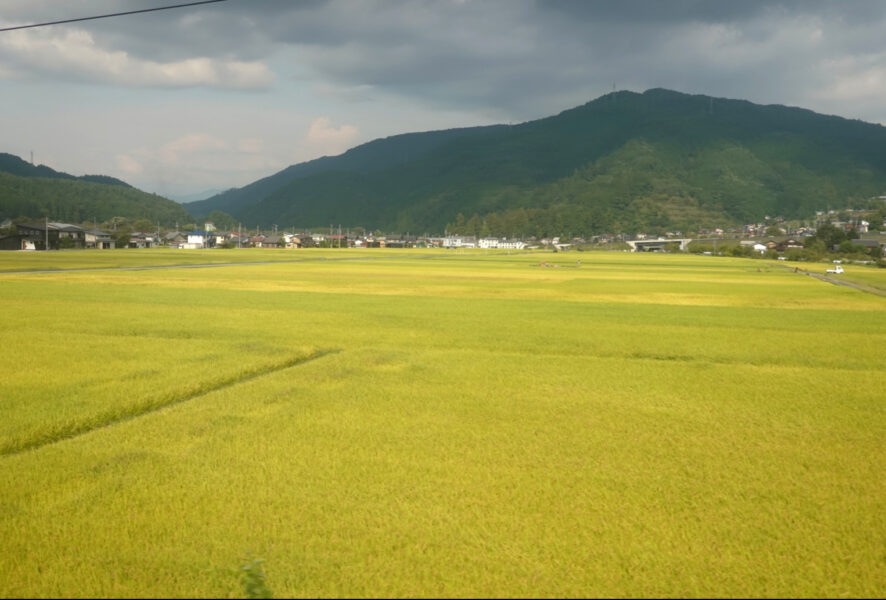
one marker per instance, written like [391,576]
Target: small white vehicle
[838,269]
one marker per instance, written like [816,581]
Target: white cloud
[856,78]
[75,55]
[324,138]
[216,158]
[129,165]
[250,145]
[192,143]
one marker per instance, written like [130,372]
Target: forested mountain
[38,192]
[625,162]
[372,157]
[12,164]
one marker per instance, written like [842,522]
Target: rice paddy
[428,423]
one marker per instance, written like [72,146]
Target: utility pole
[46,228]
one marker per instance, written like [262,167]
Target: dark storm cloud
[706,11]
[527,58]
[517,57]
[653,11]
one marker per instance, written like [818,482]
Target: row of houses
[772,244]
[217,239]
[214,239]
[869,244]
[37,236]
[486,242]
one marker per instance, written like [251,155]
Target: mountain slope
[374,156]
[624,161]
[37,192]
[12,164]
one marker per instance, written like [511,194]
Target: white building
[501,243]
[457,241]
[196,240]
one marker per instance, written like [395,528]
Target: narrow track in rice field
[75,429]
[837,281]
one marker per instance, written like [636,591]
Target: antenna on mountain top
[32,158]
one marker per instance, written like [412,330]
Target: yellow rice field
[426,423]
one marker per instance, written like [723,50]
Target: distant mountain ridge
[197,196]
[36,192]
[14,165]
[374,156]
[625,161]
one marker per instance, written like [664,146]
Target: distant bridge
[658,244]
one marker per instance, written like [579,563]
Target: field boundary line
[289,261]
[73,430]
[183,266]
[835,281]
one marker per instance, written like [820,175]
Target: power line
[119,14]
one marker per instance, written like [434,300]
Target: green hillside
[625,161]
[12,164]
[372,157]
[77,200]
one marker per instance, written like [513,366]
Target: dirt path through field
[838,281]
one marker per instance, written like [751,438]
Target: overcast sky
[216,96]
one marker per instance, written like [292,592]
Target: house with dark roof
[141,239]
[869,245]
[59,235]
[17,241]
[270,241]
[100,240]
[174,238]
